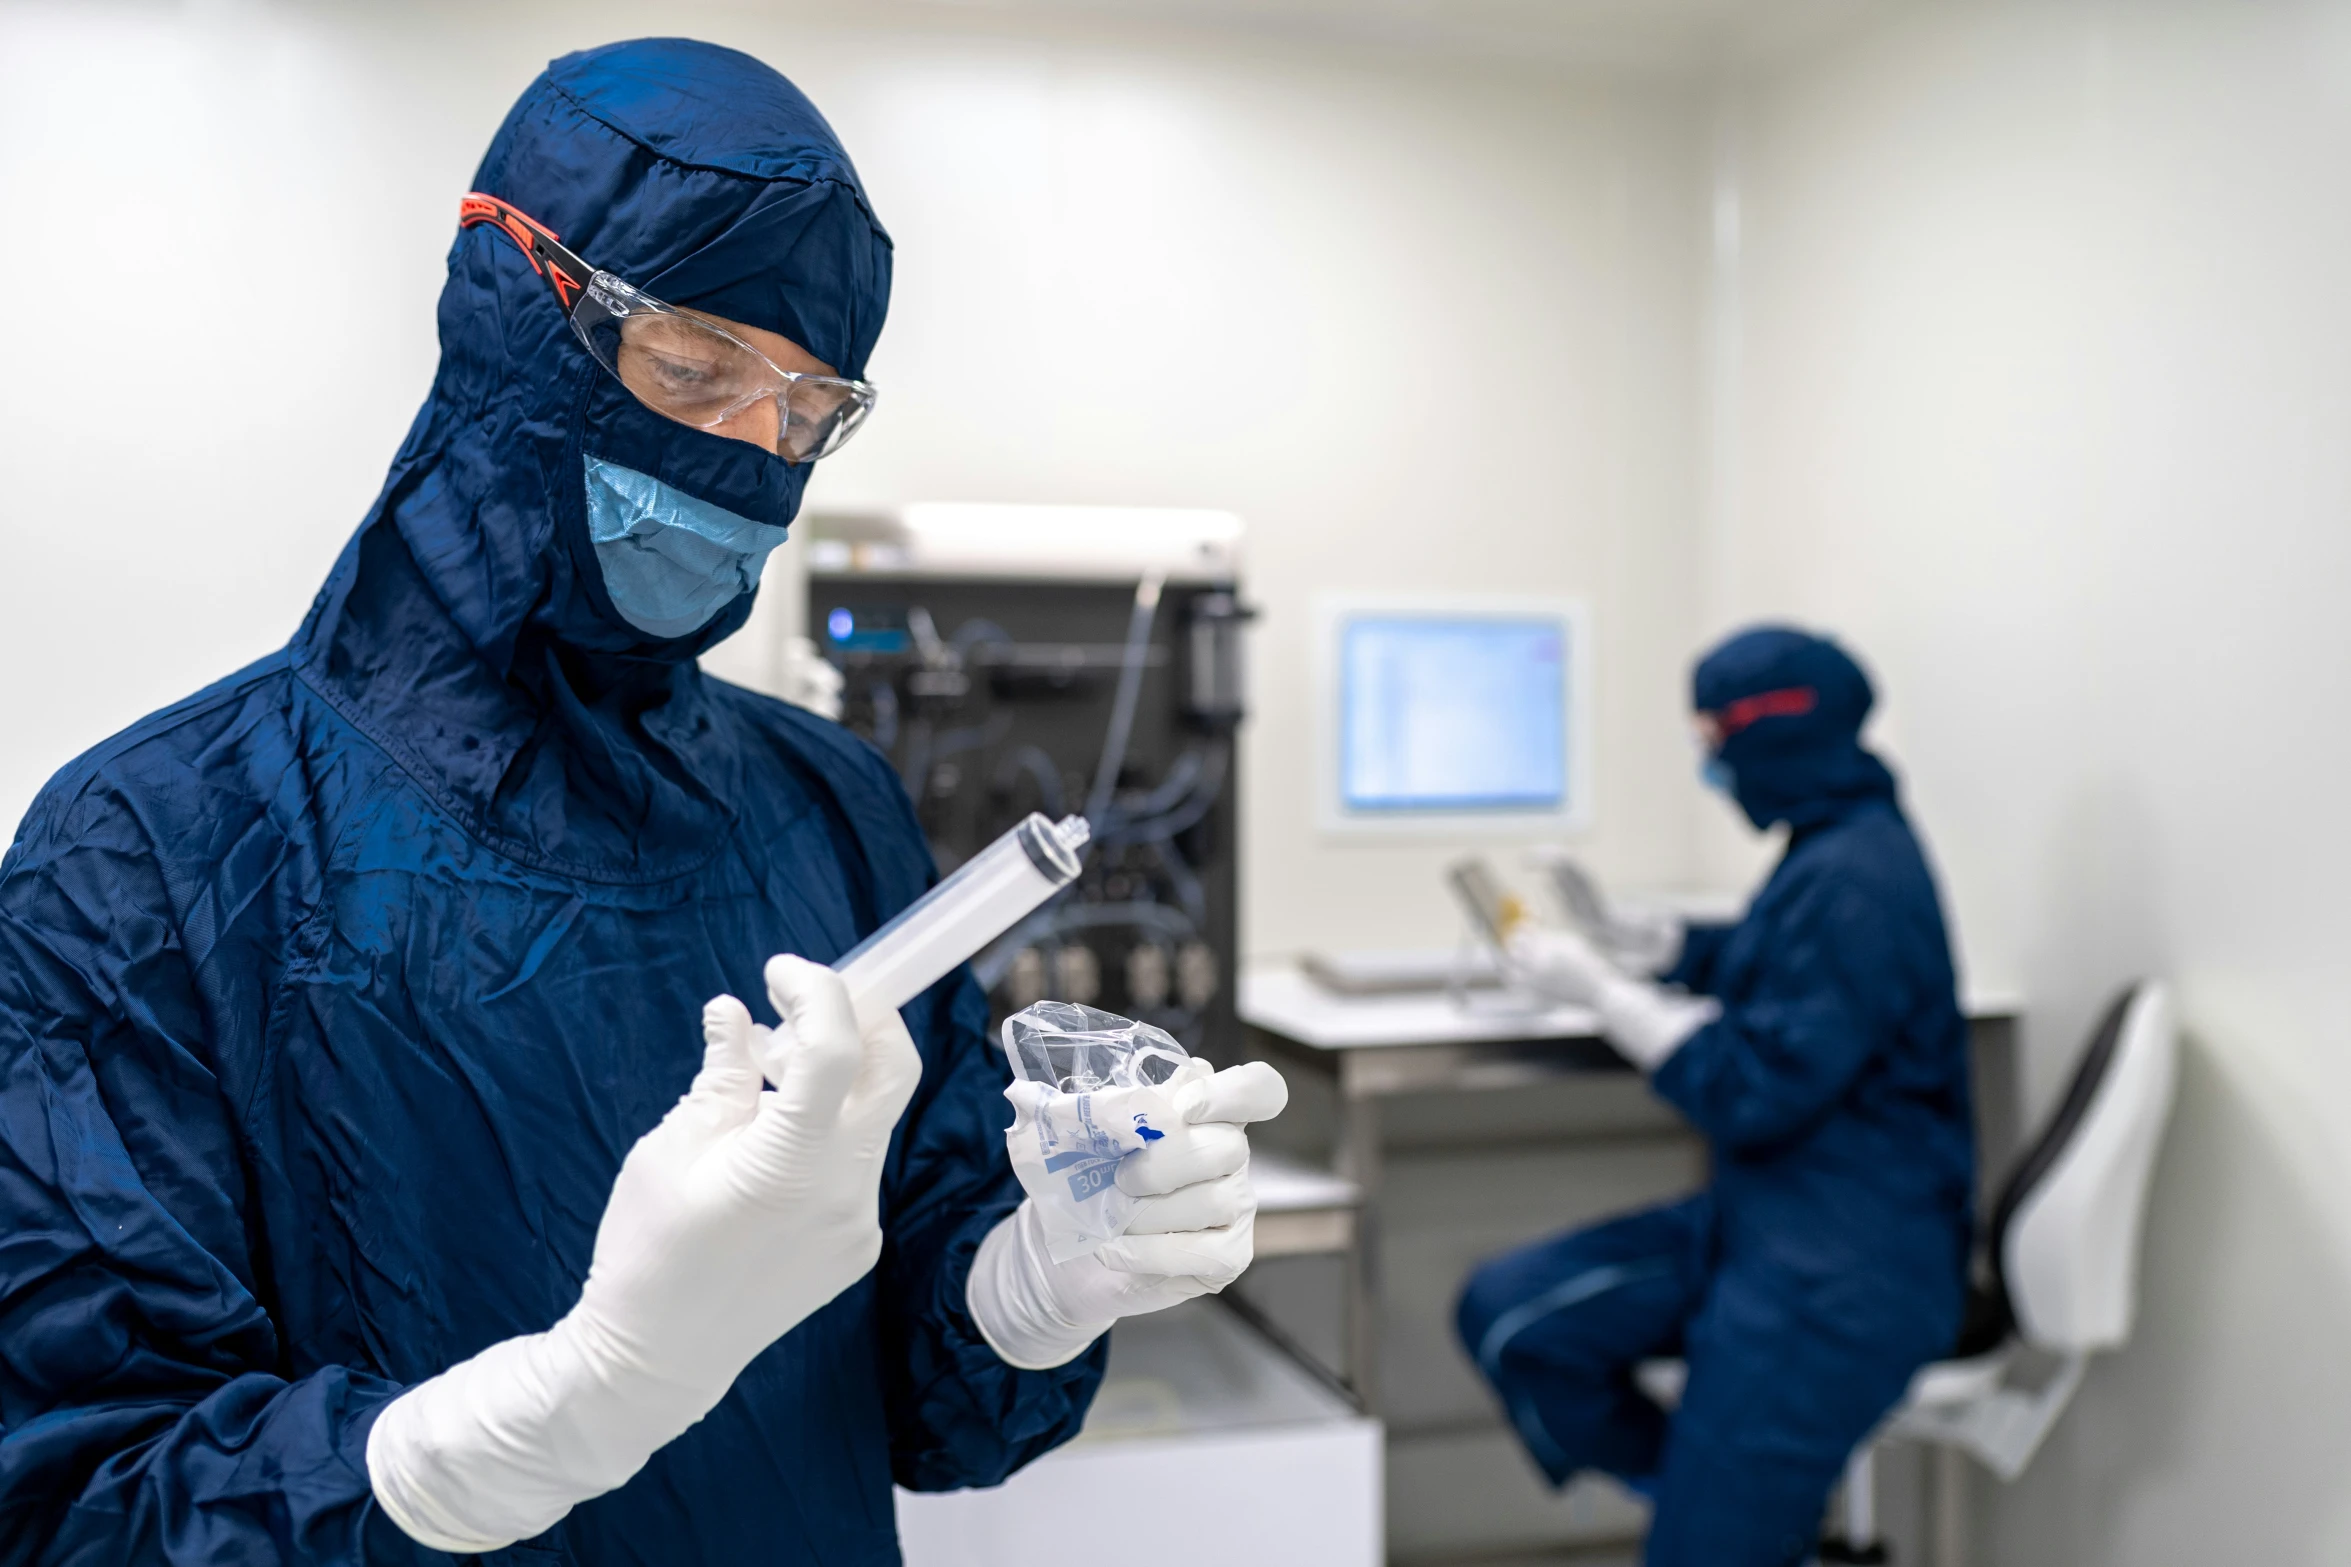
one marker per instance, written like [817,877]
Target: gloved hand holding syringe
[747,1208]
[743,1211]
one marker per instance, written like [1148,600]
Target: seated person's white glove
[1192,1234]
[739,1215]
[1644,942]
[1645,1022]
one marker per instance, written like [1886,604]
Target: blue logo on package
[671,562]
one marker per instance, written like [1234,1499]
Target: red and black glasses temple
[566,273]
[1745,713]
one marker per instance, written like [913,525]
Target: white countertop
[1278,997]
[1284,1185]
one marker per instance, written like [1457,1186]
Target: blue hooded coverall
[332,997]
[1828,1259]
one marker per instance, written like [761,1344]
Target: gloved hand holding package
[1092,1088]
[1136,1164]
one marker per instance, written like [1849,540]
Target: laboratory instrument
[1087,660]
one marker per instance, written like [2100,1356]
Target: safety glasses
[678,364]
[1747,711]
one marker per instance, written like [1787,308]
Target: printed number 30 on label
[1092,1179]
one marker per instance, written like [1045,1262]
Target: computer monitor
[1455,713]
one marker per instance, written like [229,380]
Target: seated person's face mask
[671,562]
[1713,771]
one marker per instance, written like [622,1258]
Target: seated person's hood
[1794,704]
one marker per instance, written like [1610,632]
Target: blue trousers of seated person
[1787,1374]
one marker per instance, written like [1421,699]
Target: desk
[1301,1210]
[1254,1463]
[1375,1047]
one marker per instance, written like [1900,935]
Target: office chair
[2059,1269]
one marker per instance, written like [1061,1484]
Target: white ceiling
[1670,36]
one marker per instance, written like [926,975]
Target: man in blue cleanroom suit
[333,997]
[1818,1046]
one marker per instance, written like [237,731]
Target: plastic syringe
[987,895]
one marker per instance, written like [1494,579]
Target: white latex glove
[1645,942]
[1645,1022]
[731,1221]
[1192,1234]
[1562,964]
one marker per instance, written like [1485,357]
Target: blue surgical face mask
[1716,774]
[670,562]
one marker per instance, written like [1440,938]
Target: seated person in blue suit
[1818,1046]
[348,1207]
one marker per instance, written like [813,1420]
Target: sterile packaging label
[1066,1149]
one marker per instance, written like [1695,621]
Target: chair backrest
[2065,1233]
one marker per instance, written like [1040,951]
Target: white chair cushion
[1938,1385]
[1948,1382]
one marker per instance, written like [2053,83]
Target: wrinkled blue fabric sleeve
[1702,944]
[959,1416]
[1775,1062]
[145,1415]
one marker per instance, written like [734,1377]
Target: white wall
[2043,349]
[2031,347]
[1423,326]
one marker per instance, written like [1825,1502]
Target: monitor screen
[1453,713]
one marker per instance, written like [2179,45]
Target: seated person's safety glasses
[678,364]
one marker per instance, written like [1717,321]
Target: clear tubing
[988,894]
[1122,706]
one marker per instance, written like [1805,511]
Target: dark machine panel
[996,698]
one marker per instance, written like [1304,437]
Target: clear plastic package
[1092,1089]
[1079,1050]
